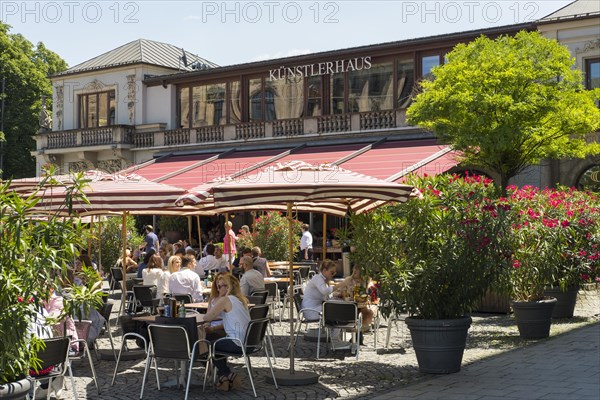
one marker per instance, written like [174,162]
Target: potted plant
[173,228]
[551,232]
[32,253]
[271,235]
[452,249]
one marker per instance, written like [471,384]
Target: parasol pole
[228,240]
[292,377]
[324,248]
[291,284]
[100,244]
[189,218]
[123,263]
[90,230]
[199,234]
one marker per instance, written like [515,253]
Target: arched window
[590,179]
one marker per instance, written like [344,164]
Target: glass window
[372,89]
[336,105]
[427,64]
[406,82]
[590,179]
[97,109]
[255,99]
[184,108]
[592,73]
[315,92]
[284,98]
[208,102]
[235,102]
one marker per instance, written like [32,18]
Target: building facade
[129,107]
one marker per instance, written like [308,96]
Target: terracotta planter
[439,344]
[534,317]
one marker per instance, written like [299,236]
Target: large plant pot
[15,390]
[534,317]
[494,302]
[439,344]
[565,306]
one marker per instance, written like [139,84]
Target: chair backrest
[271,288]
[255,334]
[145,294]
[297,278]
[105,310]
[261,293]
[339,312]
[255,300]
[56,352]
[117,273]
[189,323]
[259,311]
[186,298]
[170,341]
[298,301]
[304,270]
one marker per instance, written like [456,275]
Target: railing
[97,136]
[377,120]
[177,137]
[143,139]
[101,136]
[250,130]
[333,123]
[61,140]
[210,134]
[288,127]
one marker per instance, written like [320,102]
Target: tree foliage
[509,103]
[26,68]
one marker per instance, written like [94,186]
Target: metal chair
[342,315]
[116,274]
[261,311]
[145,296]
[83,329]
[129,333]
[186,298]
[304,271]
[105,311]
[253,342]
[273,298]
[55,354]
[262,294]
[177,341]
[302,319]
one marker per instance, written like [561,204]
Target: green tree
[26,68]
[508,103]
[111,241]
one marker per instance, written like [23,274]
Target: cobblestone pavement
[378,372]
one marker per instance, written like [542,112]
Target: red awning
[388,160]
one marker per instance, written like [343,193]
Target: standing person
[186,281]
[306,242]
[151,239]
[232,308]
[229,242]
[153,271]
[318,289]
[252,280]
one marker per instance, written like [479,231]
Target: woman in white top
[153,271]
[232,307]
[173,265]
[318,289]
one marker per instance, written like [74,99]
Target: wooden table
[284,267]
[277,279]
[204,305]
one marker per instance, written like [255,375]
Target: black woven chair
[145,296]
[176,339]
[253,343]
[261,311]
[130,332]
[55,354]
[105,311]
[342,315]
[186,298]
[302,319]
[262,294]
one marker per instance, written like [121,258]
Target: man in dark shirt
[151,239]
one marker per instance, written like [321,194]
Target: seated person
[318,289]
[251,280]
[186,281]
[141,266]
[221,264]
[208,262]
[130,264]
[153,271]
[348,285]
[237,269]
[215,330]
[260,263]
[232,308]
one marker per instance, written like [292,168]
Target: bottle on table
[181,309]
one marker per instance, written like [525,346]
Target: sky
[234,32]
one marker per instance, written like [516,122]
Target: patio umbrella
[106,194]
[304,187]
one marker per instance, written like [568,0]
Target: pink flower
[516,264]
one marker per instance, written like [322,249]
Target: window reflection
[184,108]
[406,82]
[336,104]
[590,179]
[372,89]
[315,91]
[427,64]
[96,109]
[592,74]
[208,105]
[235,102]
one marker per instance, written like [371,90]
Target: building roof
[576,9]
[143,51]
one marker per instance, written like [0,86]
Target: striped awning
[315,188]
[106,194]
